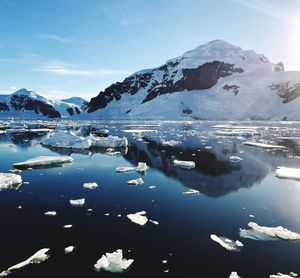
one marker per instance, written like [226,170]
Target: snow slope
[215,81]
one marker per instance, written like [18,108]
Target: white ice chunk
[170,143]
[138,181]
[191,192]
[90,185]
[69,249]
[184,164]
[138,218]
[50,213]
[113,262]
[78,202]
[227,243]
[268,233]
[154,222]
[108,142]
[36,258]
[281,275]
[234,275]
[44,161]
[288,173]
[68,226]
[228,133]
[152,186]
[139,131]
[235,158]
[142,167]
[264,146]
[9,180]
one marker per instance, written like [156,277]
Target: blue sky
[62,48]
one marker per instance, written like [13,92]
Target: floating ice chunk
[139,131]
[36,258]
[50,213]
[69,249]
[70,140]
[170,143]
[2,132]
[191,192]
[78,202]
[41,161]
[227,243]
[9,181]
[152,186]
[68,226]
[268,233]
[288,173]
[90,185]
[154,222]
[142,167]
[89,210]
[138,181]
[265,146]
[113,262]
[234,275]
[235,158]
[108,142]
[112,152]
[228,133]
[280,275]
[164,261]
[106,214]
[138,218]
[184,164]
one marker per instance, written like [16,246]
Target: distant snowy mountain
[216,81]
[27,104]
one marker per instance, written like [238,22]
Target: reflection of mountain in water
[214,175]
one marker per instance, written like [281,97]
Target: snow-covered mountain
[214,81]
[27,104]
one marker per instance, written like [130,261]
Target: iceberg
[138,181]
[268,233]
[280,275]
[288,173]
[50,213]
[9,181]
[234,275]
[227,243]
[265,146]
[138,218]
[184,164]
[36,258]
[90,185]
[191,192]
[70,140]
[43,161]
[69,249]
[228,133]
[113,262]
[142,167]
[78,202]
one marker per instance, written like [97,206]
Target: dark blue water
[230,192]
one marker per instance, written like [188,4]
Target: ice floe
[90,185]
[9,181]
[77,202]
[142,167]
[139,131]
[50,213]
[228,133]
[70,140]
[36,258]
[288,173]
[281,275]
[268,233]
[138,181]
[234,274]
[139,218]
[113,262]
[170,143]
[43,161]
[235,158]
[227,243]
[69,249]
[184,164]
[264,146]
[68,226]
[154,222]
[191,192]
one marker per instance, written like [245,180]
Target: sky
[63,48]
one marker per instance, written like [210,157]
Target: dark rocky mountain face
[203,77]
[4,106]
[286,91]
[23,102]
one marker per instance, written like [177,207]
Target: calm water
[230,192]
